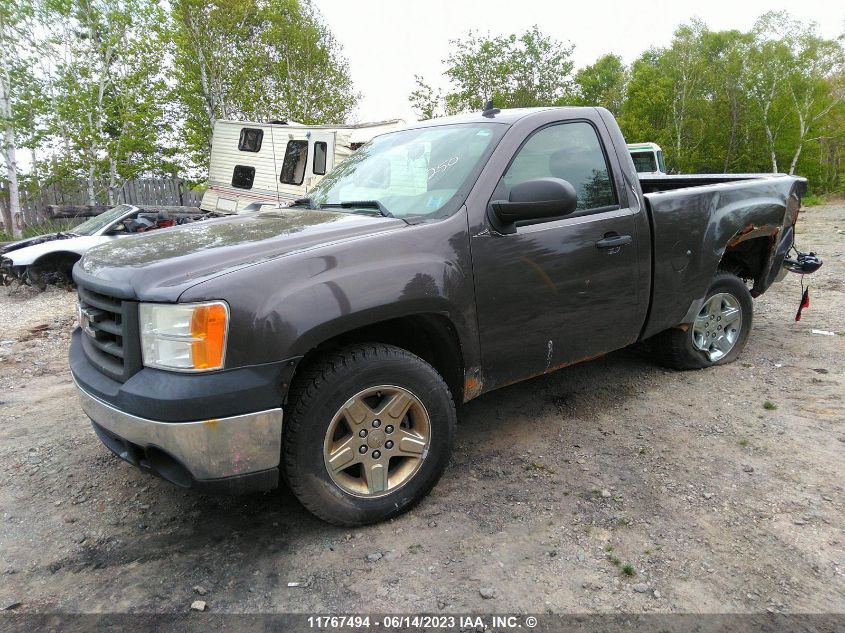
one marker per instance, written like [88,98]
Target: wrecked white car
[49,258]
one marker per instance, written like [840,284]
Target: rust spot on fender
[212,424]
[751,231]
[472,388]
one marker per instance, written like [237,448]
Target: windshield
[92,225]
[425,172]
[644,162]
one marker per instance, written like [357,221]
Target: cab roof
[506,116]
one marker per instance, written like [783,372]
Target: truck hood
[159,266]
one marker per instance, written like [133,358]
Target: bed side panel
[693,227]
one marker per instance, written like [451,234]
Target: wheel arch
[750,254]
[430,335]
[57,257]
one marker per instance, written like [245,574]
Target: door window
[320,149]
[293,167]
[571,151]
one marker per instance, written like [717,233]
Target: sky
[387,43]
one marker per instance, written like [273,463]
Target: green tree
[648,101]
[479,69]
[425,101]
[524,70]
[16,27]
[795,79]
[243,59]
[602,84]
[109,90]
[540,70]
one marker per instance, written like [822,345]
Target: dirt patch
[612,485]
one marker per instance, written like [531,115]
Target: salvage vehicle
[647,157]
[277,161]
[330,342]
[50,258]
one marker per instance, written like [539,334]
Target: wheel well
[748,258]
[432,337]
[61,261]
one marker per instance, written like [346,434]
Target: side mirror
[533,200]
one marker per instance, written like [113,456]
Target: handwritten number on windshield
[432,171]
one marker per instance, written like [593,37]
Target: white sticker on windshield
[434,202]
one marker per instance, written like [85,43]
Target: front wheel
[368,433]
[719,332]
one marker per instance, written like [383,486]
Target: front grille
[110,333]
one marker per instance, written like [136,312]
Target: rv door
[321,157]
[300,160]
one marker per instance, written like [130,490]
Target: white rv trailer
[270,162]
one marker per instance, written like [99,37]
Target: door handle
[614,241]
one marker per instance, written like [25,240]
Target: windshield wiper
[303,201]
[362,204]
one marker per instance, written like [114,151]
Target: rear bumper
[235,454]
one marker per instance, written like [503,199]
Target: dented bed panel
[692,228]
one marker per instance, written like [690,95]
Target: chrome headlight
[184,336]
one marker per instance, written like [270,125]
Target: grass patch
[537,466]
[614,560]
[416,548]
[42,228]
[743,442]
[629,570]
[768,405]
[813,201]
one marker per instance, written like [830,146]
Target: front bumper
[234,454]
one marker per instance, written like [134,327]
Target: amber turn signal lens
[208,329]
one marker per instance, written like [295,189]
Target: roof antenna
[490,110]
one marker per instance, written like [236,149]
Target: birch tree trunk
[12,213]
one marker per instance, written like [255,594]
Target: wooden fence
[172,192]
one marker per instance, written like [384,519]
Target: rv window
[320,149]
[293,167]
[250,140]
[243,176]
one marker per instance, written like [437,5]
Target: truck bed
[696,218]
[652,183]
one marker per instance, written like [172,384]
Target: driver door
[550,294]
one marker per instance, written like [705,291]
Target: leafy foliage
[771,99]
[102,91]
[243,59]
[525,70]
[602,84]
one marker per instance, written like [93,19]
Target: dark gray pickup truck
[331,341]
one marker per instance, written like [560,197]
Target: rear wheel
[719,332]
[368,432]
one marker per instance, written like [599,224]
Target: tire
[682,349]
[346,393]
[34,277]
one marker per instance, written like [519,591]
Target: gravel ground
[615,485]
